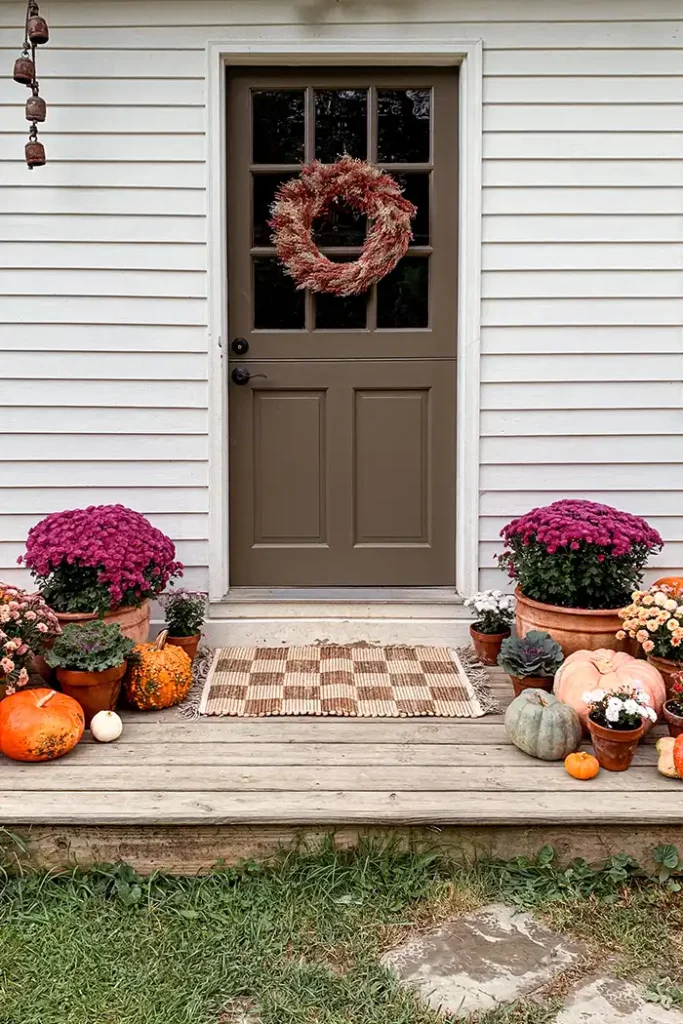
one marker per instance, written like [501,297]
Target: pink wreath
[367,190]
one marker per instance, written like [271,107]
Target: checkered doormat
[360,681]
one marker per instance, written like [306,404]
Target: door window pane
[403,295]
[265,187]
[340,225]
[278,304]
[278,126]
[416,189]
[341,125]
[403,125]
[341,312]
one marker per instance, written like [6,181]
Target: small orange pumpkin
[160,676]
[678,754]
[675,583]
[39,725]
[609,671]
[582,765]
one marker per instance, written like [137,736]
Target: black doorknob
[240,346]
[240,375]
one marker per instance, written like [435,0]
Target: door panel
[342,457]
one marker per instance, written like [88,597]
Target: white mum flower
[660,599]
[631,707]
[651,714]
[614,708]
[593,696]
[670,605]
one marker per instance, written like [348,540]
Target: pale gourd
[542,726]
[665,764]
[106,726]
[611,671]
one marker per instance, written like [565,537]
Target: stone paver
[482,960]
[611,1001]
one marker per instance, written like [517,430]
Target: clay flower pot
[614,748]
[673,721]
[134,620]
[188,643]
[487,645]
[574,629]
[94,691]
[520,683]
[667,669]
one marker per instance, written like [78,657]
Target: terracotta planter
[134,621]
[94,691]
[188,643]
[574,629]
[487,645]
[673,721]
[520,683]
[614,748]
[668,669]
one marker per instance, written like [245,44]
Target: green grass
[298,941]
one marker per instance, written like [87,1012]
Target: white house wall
[103,308]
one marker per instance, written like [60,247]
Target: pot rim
[489,636]
[618,735]
[672,714]
[187,639]
[665,661]
[605,612]
[78,677]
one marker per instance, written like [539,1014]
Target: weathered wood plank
[270,780]
[191,850]
[361,807]
[216,754]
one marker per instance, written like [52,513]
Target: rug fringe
[479,678]
[189,709]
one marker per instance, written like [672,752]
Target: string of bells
[36,34]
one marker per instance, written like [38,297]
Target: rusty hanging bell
[37,30]
[35,154]
[24,71]
[36,108]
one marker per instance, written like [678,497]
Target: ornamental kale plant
[185,612]
[99,558]
[92,647]
[535,654]
[578,554]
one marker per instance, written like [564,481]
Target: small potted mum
[616,724]
[91,661]
[531,661]
[27,628]
[654,619]
[576,564]
[494,612]
[185,613]
[673,707]
[104,561]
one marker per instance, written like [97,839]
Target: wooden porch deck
[180,796]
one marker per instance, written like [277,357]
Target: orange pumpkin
[675,583]
[39,725]
[609,671]
[582,765]
[678,754]
[160,676]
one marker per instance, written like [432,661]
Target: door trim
[465,54]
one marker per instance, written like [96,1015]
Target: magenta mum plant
[578,554]
[98,558]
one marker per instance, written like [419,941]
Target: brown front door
[342,440]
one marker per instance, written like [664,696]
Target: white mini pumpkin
[106,726]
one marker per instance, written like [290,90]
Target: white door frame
[467,54]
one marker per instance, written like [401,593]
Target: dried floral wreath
[367,190]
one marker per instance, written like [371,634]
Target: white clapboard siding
[103,315]
[91,174]
[181,525]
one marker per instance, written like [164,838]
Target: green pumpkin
[542,726]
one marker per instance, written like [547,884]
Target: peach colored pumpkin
[606,670]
